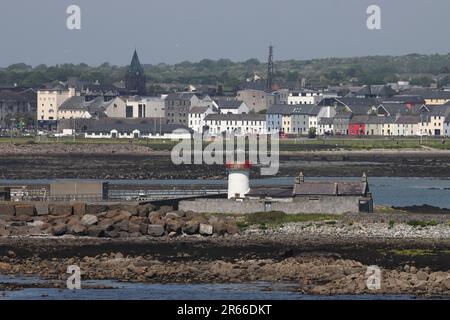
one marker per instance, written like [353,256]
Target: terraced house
[239,124]
[289,119]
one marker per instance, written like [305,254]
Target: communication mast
[270,70]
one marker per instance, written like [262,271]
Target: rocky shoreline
[123,161]
[319,257]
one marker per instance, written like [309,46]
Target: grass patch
[274,219]
[413,252]
[391,224]
[421,224]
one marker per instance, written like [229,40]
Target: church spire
[135,78]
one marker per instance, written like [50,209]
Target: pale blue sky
[170,31]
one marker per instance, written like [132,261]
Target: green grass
[276,219]
[421,224]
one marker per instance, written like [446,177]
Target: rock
[89,220]
[422,276]
[95,231]
[58,229]
[174,225]
[25,210]
[137,219]
[172,234]
[4,232]
[41,209]
[122,225]
[11,254]
[7,210]
[155,230]
[131,209]
[134,228]
[112,234]
[191,227]
[205,229]
[37,224]
[60,209]
[232,228]
[121,215]
[77,229]
[155,218]
[106,224]
[445,285]
[124,234]
[144,210]
[172,215]
[79,209]
[96,208]
[22,218]
[219,227]
[143,228]
[165,209]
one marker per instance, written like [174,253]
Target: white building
[49,101]
[232,106]
[433,123]
[289,119]
[239,124]
[304,97]
[197,118]
[144,107]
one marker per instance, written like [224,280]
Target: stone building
[311,197]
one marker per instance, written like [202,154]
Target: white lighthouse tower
[238,179]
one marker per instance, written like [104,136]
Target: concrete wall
[322,205]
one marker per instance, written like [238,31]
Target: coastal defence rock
[58,219]
[205,229]
[7,210]
[155,230]
[24,210]
[89,220]
[60,209]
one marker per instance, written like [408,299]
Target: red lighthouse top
[234,165]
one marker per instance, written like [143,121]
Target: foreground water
[393,191]
[139,291]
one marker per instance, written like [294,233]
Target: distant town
[258,105]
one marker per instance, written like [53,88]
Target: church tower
[135,78]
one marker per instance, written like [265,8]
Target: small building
[309,197]
[239,124]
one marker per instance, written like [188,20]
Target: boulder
[77,229]
[174,225]
[165,209]
[37,223]
[154,216]
[7,210]
[4,232]
[191,227]
[131,209]
[121,215]
[112,234]
[232,228]
[155,230]
[96,208]
[219,226]
[41,209]
[95,231]
[122,225]
[172,215]
[134,228]
[144,210]
[143,228]
[60,209]
[89,220]
[58,229]
[205,229]
[25,210]
[79,209]
[106,224]
[137,219]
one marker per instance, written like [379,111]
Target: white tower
[238,180]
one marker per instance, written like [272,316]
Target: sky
[171,31]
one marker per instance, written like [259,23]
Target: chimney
[300,178]
[72,92]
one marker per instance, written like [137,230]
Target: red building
[357,126]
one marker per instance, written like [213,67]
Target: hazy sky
[170,31]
